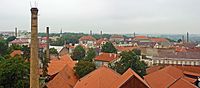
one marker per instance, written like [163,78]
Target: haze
[110,16]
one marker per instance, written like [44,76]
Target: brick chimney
[47,59]
[187,37]
[34,62]
[16,32]
[91,32]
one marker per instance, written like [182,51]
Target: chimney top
[34,10]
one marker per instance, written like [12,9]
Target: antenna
[34,3]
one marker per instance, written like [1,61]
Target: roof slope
[87,38]
[163,77]
[102,77]
[107,57]
[182,83]
[56,66]
[66,78]
[130,79]
[16,52]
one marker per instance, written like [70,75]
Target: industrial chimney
[47,59]
[187,37]
[16,32]
[183,39]
[90,32]
[34,61]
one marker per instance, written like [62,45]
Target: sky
[110,16]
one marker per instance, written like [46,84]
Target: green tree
[90,55]
[82,68]
[14,73]
[137,51]
[53,51]
[14,47]
[130,60]
[78,53]
[11,38]
[109,48]
[3,47]
[179,40]
[26,52]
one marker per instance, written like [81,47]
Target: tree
[53,51]
[137,51]
[130,60]
[14,73]
[14,47]
[179,40]
[11,38]
[82,68]
[26,52]
[91,53]
[78,53]
[108,48]
[3,47]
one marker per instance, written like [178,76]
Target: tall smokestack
[16,32]
[34,65]
[134,34]
[183,39]
[90,32]
[47,59]
[101,34]
[61,33]
[187,37]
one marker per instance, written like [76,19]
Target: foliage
[59,42]
[53,51]
[137,51]
[11,38]
[26,52]
[108,48]
[130,60]
[170,40]
[82,68]
[14,47]
[3,47]
[78,53]
[14,73]
[179,40]
[90,55]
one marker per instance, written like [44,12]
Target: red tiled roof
[141,37]
[19,41]
[194,69]
[159,40]
[182,83]
[98,42]
[102,77]
[87,38]
[130,77]
[42,45]
[66,78]
[107,57]
[56,66]
[164,77]
[173,77]
[16,52]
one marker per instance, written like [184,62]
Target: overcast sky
[111,16]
